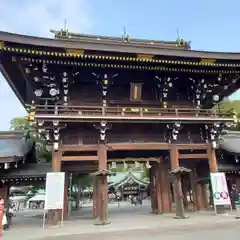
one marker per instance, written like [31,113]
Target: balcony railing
[129,113]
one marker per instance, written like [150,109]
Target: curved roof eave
[231,142]
[127,178]
[124,47]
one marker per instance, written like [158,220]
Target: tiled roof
[122,175]
[127,177]
[231,142]
[14,144]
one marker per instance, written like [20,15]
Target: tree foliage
[228,106]
[22,124]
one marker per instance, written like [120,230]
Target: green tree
[228,106]
[22,124]
[81,182]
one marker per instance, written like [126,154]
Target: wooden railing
[97,111]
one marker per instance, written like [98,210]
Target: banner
[220,189]
[54,190]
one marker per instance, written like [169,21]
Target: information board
[220,189]
[54,190]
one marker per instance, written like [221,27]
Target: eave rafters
[127,66]
[137,58]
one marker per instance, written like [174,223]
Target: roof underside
[30,171]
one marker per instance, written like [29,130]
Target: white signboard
[220,189]
[54,190]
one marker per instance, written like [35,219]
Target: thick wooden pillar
[177,183]
[238,183]
[165,187]
[65,200]
[200,205]
[212,160]
[54,216]
[95,197]
[197,191]
[185,191]
[158,188]
[152,189]
[102,205]
[204,196]
[193,182]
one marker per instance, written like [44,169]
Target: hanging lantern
[114,165]
[137,164]
[148,166]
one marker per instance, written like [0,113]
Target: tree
[22,124]
[228,106]
[81,181]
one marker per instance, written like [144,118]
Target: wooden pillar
[102,206]
[212,160]
[185,191]
[56,161]
[177,183]
[152,189]
[65,200]
[238,183]
[54,216]
[158,190]
[204,196]
[193,182]
[95,197]
[165,187]
[197,190]
[6,192]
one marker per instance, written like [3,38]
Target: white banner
[54,190]
[220,190]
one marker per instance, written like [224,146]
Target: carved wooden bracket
[103,172]
[180,170]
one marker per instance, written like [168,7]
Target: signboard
[54,190]
[220,189]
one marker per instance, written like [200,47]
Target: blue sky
[209,24]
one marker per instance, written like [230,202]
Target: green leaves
[22,124]
[228,106]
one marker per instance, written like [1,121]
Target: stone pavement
[223,233]
[127,218]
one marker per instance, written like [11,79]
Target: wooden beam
[138,146]
[192,146]
[80,168]
[193,156]
[78,147]
[129,146]
[80,158]
[129,159]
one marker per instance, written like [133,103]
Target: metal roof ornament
[126,36]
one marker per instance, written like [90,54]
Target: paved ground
[223,233]
[127,221]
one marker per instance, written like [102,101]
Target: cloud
[37,18]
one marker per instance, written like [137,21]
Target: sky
[211,25]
